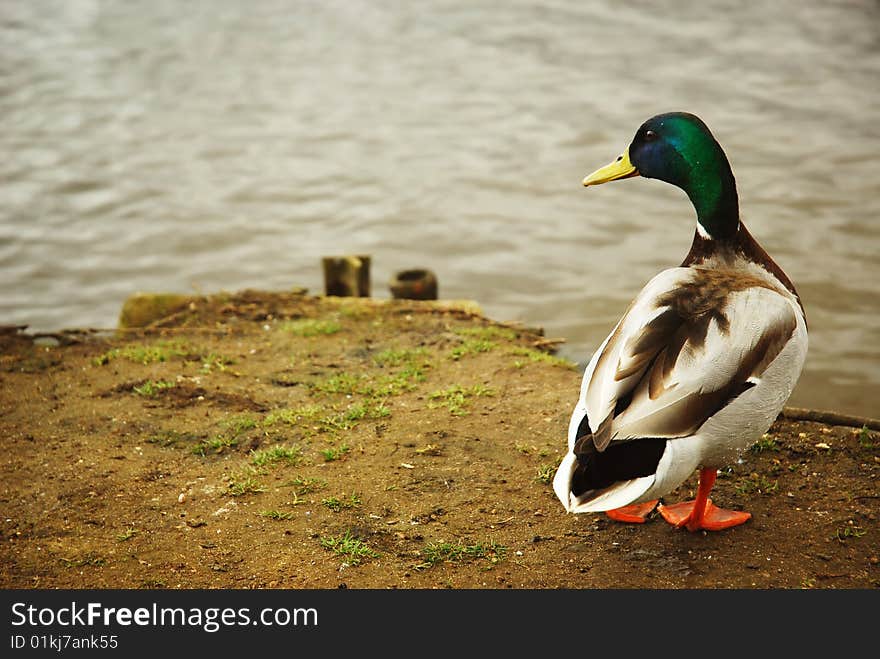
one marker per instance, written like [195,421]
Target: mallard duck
[702,361]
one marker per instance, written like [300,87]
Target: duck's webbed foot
[701,514]
[637,513]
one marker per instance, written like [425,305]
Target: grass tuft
[127,534]
[349,547]
[293,416]
[457,398]
[533,356]
[472,347]
[305,485]
[367,410]
[866,438]
[488,332]
[399,356]
[346,502]
[849,530]
[756,484]
[161,351]
[308,327]
[332,453]
[213,361]
[271,456]
[152,388]
[239,424]
[479,339]
[167,438]
[766,443]
[545,474]
[312,419]
[244,482]
[458,552]
[372,387]
[216,444]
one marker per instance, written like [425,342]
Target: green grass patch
[545,474]
[479,339]
[127,534]
[234,427]
[161,351]
[346,502]
[313,419]
[457,398]
[216,445]
[294,416]
[352,549]
[343,383]
[472,347]
[766,443]
[404,380]
[487,332]
[531,356]
[366,410]
[244,482]
[435,553]
[152,388]
[407,368]
[215,362]
[399,356]
[382,386]
[351,307]
[849,530]
[867,438]
[310,419]
[308,327]
[756,484]
[276,454]
[302,486]
[334,453]
[238,424]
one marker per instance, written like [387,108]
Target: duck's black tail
[620,461]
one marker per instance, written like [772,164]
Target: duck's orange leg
[701,513]
[637,513]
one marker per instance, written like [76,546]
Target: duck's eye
[650,136]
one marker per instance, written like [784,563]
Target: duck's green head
[678,148]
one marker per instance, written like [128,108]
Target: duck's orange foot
[637,513]
[712,519]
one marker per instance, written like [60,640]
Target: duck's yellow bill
[620,168]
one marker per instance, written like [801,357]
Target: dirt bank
[259,440]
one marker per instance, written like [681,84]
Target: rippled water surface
[170,146]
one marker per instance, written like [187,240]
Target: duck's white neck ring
[705,235]
[701,231]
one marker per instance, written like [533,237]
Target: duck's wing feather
[691,341]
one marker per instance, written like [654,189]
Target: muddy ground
[279,440]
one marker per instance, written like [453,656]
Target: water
[206,146]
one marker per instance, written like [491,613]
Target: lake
[207,146]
